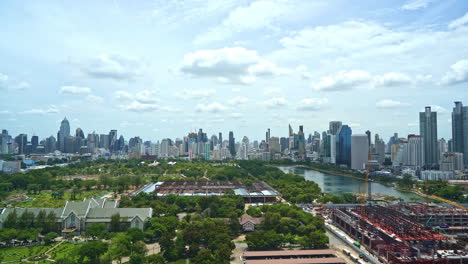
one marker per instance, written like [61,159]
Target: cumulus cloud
[347,80]
[275,102]
[141,101]
[236,115]
[22,86]
[195,93]
[214,107]
[75,90]
[416,4]
[111,67]
[52,109]
[388,103]
[238,100]
[3,81]
[312,104]
[459,22]
[260,14]
[458,73]
[229,65]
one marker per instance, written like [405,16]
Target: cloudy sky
[163,68]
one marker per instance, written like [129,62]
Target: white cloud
[238,100]
[236,115]
[458,73]
[229,65]
[275,102]
[260,14]
[343,80]
[459,22]
[196,93]
[41,111]
[388,103]
[75,90]
[112,67]
[123,95]
[3,81]
[391,79]
[94,98]
[5,112]
[413,124]
[146,96]
[416,4]
[312,104]
[437,108]
[273,92]
[22,86]
[136,106]
[347,80]
[214,107]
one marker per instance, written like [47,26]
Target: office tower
[34,143]
[368,133]
[460,130]
[21,141]
[451,161]
[334,126]
[329,149]
[50,144]
[379,146]
[267,136]
[232,144]
[214,141]
[359,152]
[68,145]
[120,144]
[301,141]
[93,142]
[79,133]
[113,140]
[415,150]
[4,140]
[290,131]
[343,145]
[104,141]
[393,140]
[284,144]
[428,130]
[274,146]
[450,145]
[442,145]
[164,148]
[63,133]
[255,144]
[220,139]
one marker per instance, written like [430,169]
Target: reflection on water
[335,184]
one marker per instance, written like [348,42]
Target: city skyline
[242,66]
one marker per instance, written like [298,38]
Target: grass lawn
[44,199]
[17,253]
[63,250]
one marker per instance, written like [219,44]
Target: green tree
[115,223]
[11,221]
[91,251]
[49,238]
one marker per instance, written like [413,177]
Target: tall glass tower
[428,130]
[343,145]
[460,130]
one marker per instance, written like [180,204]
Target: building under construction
[394,236]
[449,218]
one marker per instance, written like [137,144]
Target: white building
[359,152]
[452,161]
[432,175]
[415,156]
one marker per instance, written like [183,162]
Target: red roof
[298,261]
[274,253]
[247,218]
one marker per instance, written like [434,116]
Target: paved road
[239,250]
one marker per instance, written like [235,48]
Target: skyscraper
[63,133]
[428,130]
[220,139]
[460,130]
[232,144]
[415,151]
[113,140]
[359,152]
[334,126]
[343,145]
[79,133]
[21,141]
[301,141]
[267,136]
[368,133]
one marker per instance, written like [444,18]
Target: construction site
[395,237]
[402,233]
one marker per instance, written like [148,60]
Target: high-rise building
[113,140]
[79,133]
[4,141]
[63,133]
[50,144]
[329,149]
[428,130]
[452,161]
[267,135]
[274,146]
[460,130]
[379,146]
[220,138]
[34,143]
[301,141]
[284,144]
[334,126]
[21,141]
[368,133]
[359,152]
[232,144]
[343,145]
[415,156]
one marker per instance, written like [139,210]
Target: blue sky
[162,68]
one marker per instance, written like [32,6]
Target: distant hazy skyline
[159,69]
